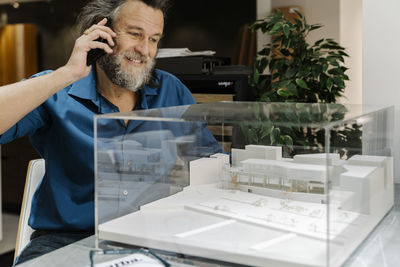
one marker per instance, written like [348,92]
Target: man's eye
[154,40]
[135,34]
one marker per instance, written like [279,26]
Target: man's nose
[143,47]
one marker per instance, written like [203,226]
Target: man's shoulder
[164,76]
[172,90]
[168,81]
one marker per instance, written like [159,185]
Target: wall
[350,36]
[381,59]
[263,10]
[325,12]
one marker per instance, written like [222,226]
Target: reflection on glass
[248,183]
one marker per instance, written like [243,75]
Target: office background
[368,29]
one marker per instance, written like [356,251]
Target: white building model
[265,210]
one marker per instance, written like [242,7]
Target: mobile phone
[94,54]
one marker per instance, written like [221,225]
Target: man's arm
[18,99]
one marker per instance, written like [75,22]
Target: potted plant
[299,72]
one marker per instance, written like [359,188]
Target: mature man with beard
[56,109]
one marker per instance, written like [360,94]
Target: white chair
[34,175]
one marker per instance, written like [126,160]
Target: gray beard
[111,64]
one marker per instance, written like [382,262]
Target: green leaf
[256,76]
[317,43]
[339,82]
[331,41]
[290,115]
[299,23]
[265,51]
[252,136]
[290,73]
[275,85]
[343,68]
[343,54]
[335,63]
[279,12]
[335,58]
[284,83]
[329,84]
[302,83]
[265,97]
[286,30]
[292,89]
[336,71]
[256,111]
[314,27]
[288,141]
[263,83]
[267,131]
[283,93]
[262,65]
[304,72]
[276,27]
[276,132]
[303,55]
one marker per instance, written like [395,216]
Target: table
[381,248]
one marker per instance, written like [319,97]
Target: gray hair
[96,10]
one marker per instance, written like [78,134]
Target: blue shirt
[61,130]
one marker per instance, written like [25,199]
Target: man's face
[139,29]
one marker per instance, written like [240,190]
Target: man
[56,110]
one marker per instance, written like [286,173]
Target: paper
[181,52]
[136,260]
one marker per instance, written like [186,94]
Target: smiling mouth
[134,60]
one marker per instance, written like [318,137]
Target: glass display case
[261,184]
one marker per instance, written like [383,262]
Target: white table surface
[381,248]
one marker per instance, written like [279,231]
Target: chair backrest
[34,175]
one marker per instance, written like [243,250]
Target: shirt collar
[147,92]
[85,88]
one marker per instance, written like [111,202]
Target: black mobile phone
[94,54]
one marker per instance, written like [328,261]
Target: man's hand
[76,64]
[18,99]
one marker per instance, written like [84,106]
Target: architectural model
[254,207]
